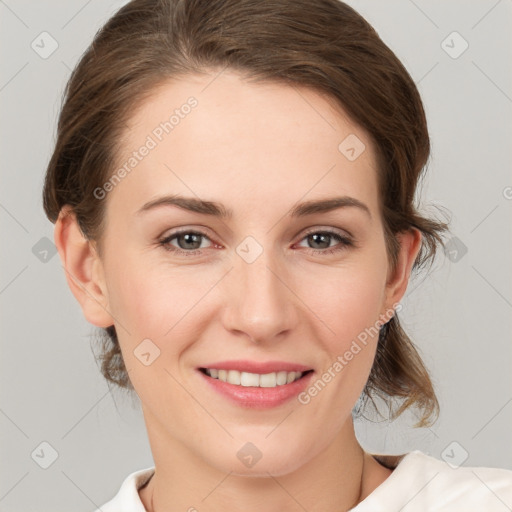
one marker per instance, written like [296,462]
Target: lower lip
[256,397]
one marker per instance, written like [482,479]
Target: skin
[259,149]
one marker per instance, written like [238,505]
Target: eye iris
[190,238]
[324,236]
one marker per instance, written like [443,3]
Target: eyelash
[344,242]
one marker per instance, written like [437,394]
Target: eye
[189,242]
[323,238]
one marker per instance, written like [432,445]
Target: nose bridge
[260,305]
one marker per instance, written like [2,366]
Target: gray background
[460,316]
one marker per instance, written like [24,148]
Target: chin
[251,463]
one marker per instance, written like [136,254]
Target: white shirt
[418,483]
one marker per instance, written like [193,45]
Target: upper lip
[258,367]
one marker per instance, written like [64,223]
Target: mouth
[255,380]
[257,391]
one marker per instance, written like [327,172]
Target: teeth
[267,380]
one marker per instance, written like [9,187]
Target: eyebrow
[219,210]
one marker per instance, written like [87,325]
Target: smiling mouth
[248,379]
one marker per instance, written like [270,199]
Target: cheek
[147,306]
[157,302]
[348,299]
[350,305]
[148,302]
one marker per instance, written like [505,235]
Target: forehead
[221,137]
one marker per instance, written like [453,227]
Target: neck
[333,480]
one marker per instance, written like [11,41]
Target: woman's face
[257,285]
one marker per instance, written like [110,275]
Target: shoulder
[422,482]
[127,498]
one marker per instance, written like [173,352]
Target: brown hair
[322,44]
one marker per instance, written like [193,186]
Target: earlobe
[83,269]
[410,245]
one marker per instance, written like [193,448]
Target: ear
[83,268]
[396,285]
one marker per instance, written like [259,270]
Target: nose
[260,303]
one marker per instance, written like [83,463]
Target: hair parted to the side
[321,44]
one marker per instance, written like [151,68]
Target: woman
[233,195]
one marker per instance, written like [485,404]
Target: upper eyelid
[201,231]
[330,230]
